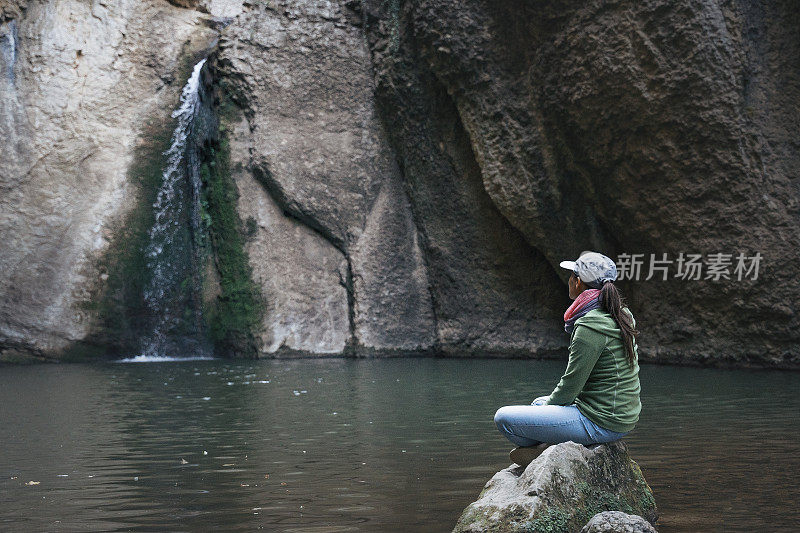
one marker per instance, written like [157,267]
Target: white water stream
[171,257]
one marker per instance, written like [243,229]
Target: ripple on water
[709,465]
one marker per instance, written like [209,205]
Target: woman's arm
[584,350]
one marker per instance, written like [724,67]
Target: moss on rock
[120,307]
[232,303]
[238,308]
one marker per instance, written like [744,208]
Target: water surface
[360,445]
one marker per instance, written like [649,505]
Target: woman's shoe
[524,455]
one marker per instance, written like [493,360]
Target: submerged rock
[560,491]
[617,522]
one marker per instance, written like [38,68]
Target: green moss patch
[238,310]
[232,302]
[121,308]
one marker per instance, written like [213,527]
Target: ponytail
[612,302]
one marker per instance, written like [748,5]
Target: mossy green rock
[561,491]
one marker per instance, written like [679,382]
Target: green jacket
[598,379]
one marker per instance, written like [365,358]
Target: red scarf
[585,302]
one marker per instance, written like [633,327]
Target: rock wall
[410,173]
[420,258]
[336,249]
[79,82]
[626,127]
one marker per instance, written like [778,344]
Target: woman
[597,399]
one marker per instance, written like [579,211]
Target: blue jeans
[529,425]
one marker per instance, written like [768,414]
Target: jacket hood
[602,322]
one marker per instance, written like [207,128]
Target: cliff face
[407,175]
[79,82]
[335,250]
[354,251]
[627,127]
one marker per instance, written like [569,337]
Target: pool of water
[360,445]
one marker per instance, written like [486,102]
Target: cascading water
[8,48]
[174,252]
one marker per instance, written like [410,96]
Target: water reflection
[359,445]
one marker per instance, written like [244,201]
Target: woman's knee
[501,417]
[508,419]
[511,416]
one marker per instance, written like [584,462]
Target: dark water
[360,445]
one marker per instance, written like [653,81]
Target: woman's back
[610,395]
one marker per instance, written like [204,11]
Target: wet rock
[560,491]
[617,522]
[184,3]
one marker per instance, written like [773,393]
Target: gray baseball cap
[592,268]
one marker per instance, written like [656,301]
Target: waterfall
[174,255]
[8,48]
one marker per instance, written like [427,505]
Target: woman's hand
[541,400]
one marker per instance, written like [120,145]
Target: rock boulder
[560,491]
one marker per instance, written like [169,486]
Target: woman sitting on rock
[597,399]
